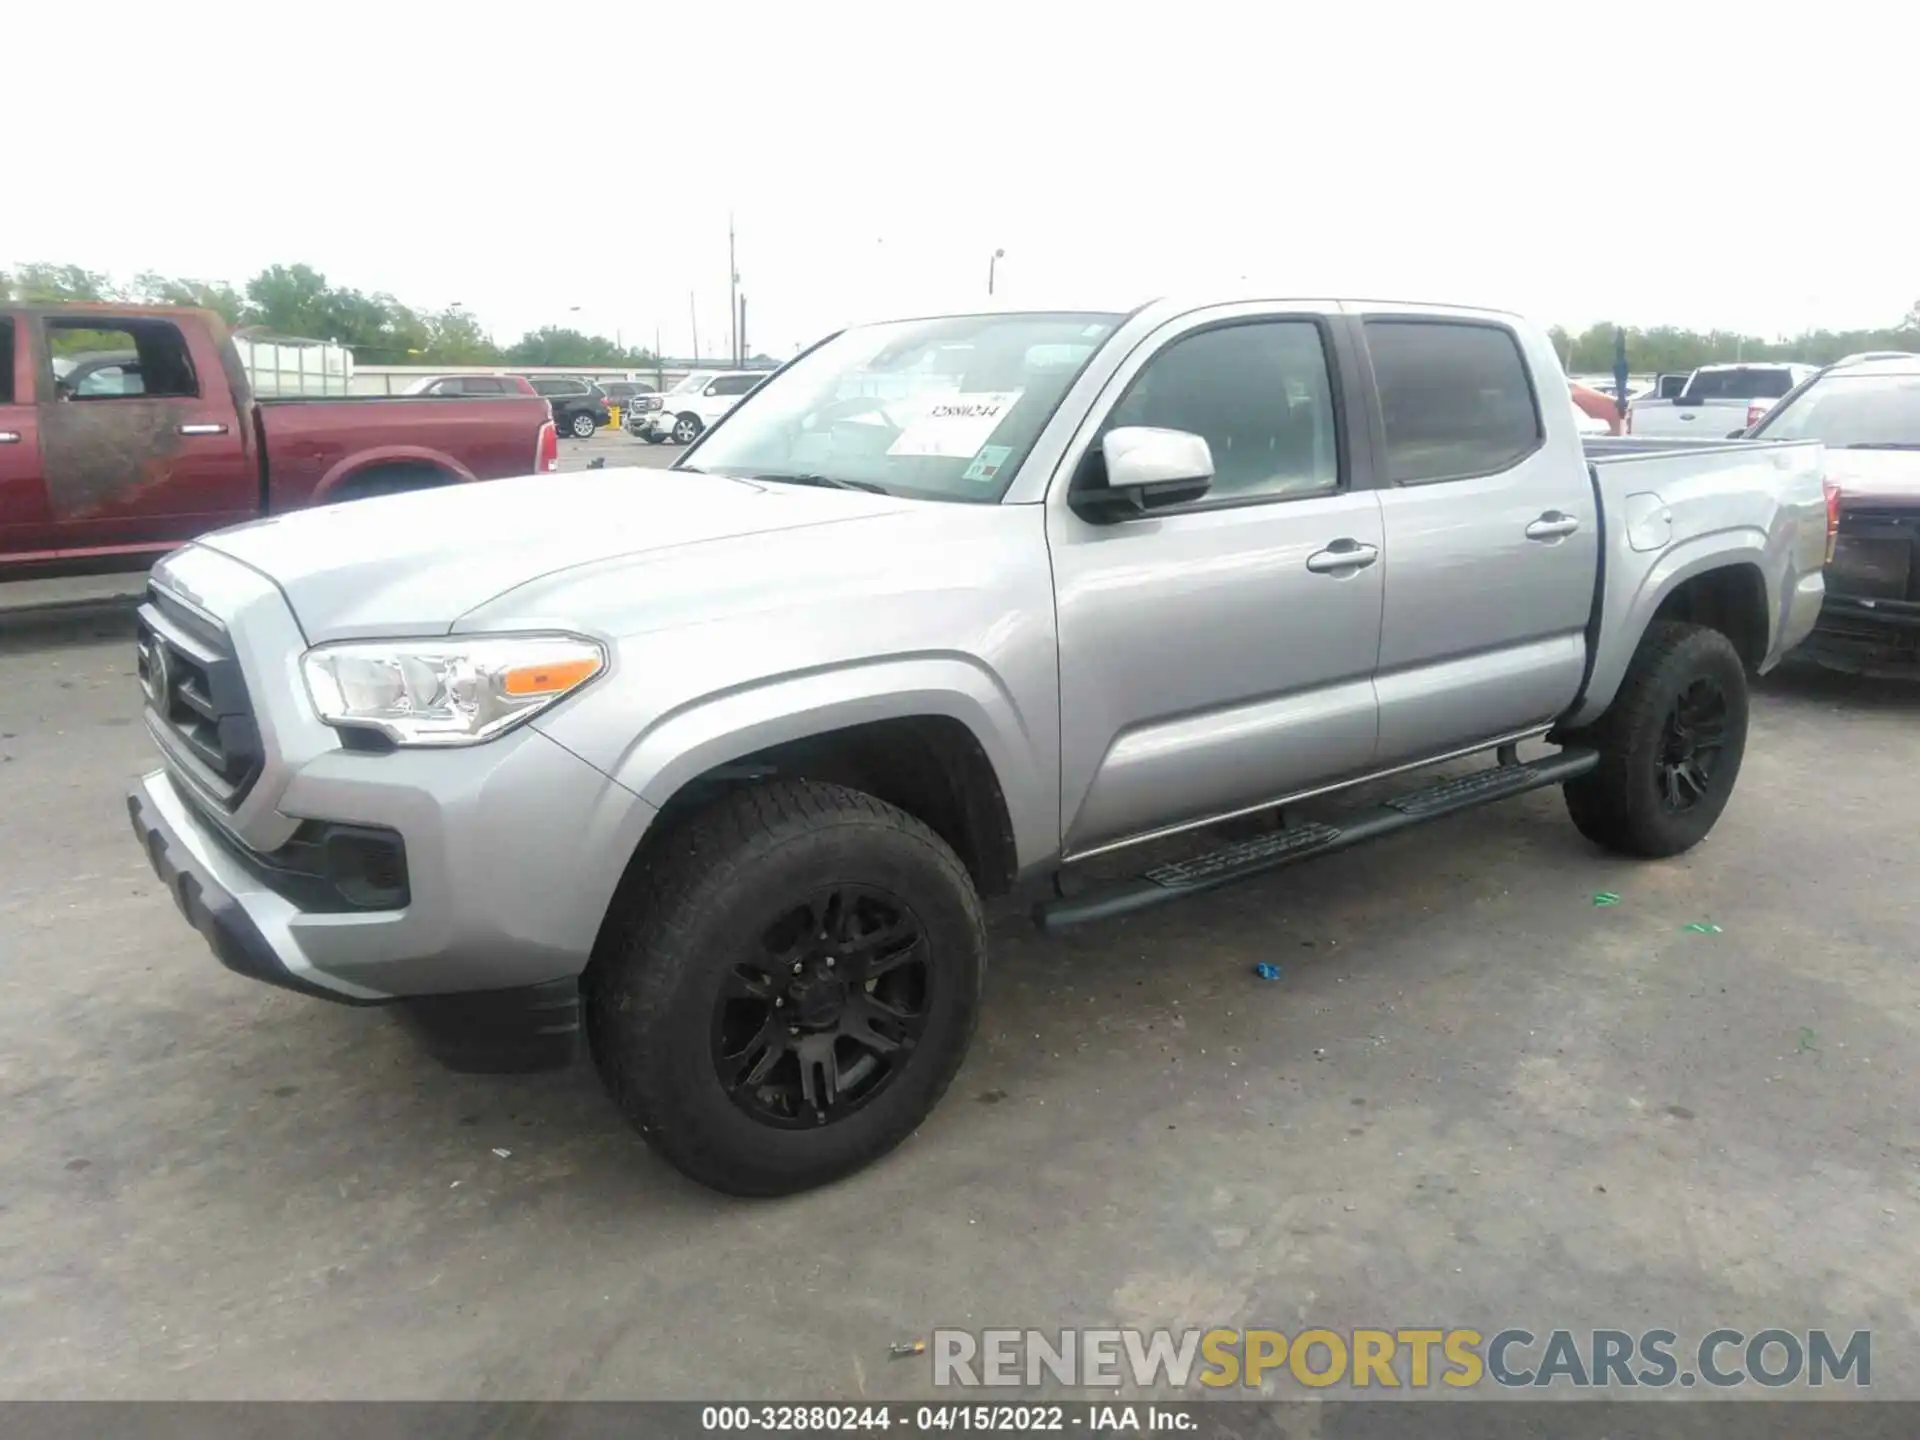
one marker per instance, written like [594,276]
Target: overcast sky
[1741,167]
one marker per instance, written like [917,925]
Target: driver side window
[1259,393]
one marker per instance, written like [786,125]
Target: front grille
[196,699]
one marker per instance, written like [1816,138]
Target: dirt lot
[1473,1097]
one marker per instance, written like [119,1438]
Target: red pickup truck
[126,430]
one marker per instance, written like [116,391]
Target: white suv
[690,407]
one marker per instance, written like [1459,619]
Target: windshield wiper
[826,482]
[1881,445]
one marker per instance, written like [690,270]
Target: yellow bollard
[613,417]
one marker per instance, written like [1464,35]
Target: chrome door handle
[1554,525]
[201,429]
[1342,558]
[9,437]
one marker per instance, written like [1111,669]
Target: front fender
[1633,599]
[715,729]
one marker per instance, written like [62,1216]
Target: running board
[1261,853]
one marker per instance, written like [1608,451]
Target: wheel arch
[1720,581]
[364,465]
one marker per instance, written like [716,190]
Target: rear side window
[7,391]
[481,385]
[114,359]
[1455,396]
[735,384]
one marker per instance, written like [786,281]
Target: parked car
[946,608]
[579,406]
[153,435]
[1866,411]
[471,385]
[624,392]
[683,414]
[1716,401]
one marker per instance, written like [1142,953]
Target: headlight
[457,691]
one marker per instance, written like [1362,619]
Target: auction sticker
[956,426]
[986,465]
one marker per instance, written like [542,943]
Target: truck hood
[413,564]
[1875,474]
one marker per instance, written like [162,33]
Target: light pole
[993,260]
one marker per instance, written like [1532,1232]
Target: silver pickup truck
[717,762]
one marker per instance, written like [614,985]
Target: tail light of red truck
[546,454]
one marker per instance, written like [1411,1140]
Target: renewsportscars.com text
[1404,1358]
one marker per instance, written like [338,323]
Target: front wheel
[686,429]
[1670,745]
[582,426]
[793,989]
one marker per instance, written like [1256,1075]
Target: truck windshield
[942,409]
[1852,411]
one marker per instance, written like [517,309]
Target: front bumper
[512,853]
[649,422]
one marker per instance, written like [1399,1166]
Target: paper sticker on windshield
[956,426]
[986,465]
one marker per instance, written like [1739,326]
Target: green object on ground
[1606,897]
[1702,927]
[1806,1042]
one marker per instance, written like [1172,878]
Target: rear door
[26,524]
[1217,655]
[141,454]
[1491,537]
[723,394]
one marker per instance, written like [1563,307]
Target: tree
[557,345]
[43,284]
[290,300]
[214,295]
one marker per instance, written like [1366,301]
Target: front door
[142,447]
[1492,537]
[1220,654]
[25,526]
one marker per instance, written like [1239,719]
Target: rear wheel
[792,989]
[1670,745]
[582,426]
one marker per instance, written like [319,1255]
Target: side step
[1282,847]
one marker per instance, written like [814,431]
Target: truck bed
[1668,507]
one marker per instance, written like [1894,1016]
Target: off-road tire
[720,877]
[1620,804]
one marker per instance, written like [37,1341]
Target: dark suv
[579,409]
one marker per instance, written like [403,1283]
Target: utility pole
[733,292]
[993,260]
[740,344]
[659,372]
[693,319]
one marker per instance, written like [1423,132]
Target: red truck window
[6,361]
[108,358]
